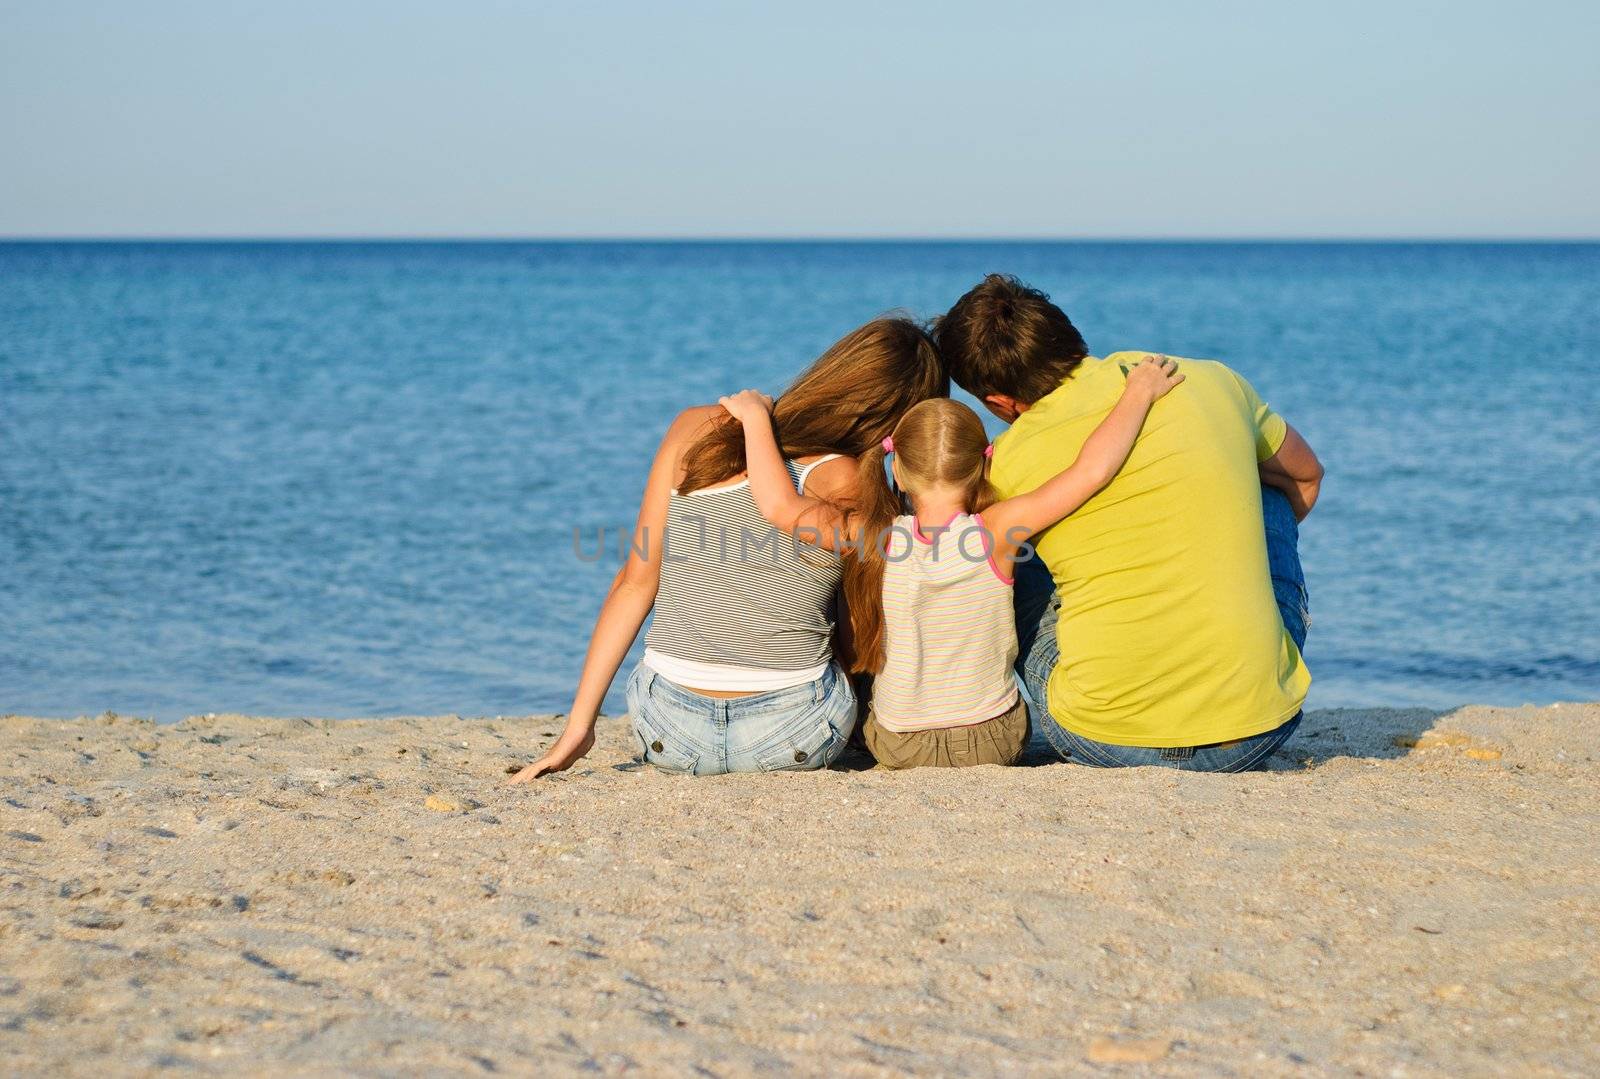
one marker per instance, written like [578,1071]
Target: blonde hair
[938,443]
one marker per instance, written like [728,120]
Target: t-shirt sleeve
[1002,468]
[1270,427]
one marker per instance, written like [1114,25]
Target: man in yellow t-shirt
[1162,622]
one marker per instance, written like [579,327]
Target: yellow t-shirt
[1168,630]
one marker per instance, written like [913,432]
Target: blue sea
[343,479]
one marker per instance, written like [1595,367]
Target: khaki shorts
[1000,740]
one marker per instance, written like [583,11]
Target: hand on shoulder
[747,405]
[1154,377]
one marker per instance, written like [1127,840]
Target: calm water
[341,479]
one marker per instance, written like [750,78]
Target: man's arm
[1295,471]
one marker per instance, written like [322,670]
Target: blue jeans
[798,729]
[1037,608]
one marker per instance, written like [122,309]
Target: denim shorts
[799,729]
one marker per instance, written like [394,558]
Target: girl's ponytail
[877,506]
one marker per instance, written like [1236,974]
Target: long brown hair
[845,402]
[938,444]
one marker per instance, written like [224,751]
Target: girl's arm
[808,519]
[1103,455]
[632,595]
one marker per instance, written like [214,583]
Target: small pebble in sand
[97,920]
[1431,740]
[1128,1050]
[76,889]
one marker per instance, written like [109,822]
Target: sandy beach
[1403,893]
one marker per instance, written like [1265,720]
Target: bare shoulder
[692,422]
[686,427]
[833,479]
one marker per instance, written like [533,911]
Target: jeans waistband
[772,700]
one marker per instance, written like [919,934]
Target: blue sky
[337,118]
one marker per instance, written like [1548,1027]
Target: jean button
[657,746]
[799,755]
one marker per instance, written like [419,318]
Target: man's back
[1169,633]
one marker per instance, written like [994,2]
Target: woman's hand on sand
[747,405]
[1154,375]
[573,745]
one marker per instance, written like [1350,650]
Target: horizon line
[755,238]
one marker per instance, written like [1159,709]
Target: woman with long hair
[738,673]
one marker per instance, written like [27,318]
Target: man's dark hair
[1004,337]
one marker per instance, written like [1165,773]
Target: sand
[234,894]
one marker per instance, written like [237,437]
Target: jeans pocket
[659,744]
[809,743]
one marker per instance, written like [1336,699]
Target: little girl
[929,592]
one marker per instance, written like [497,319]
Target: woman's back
[740,606]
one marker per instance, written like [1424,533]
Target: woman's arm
[1103,455]
[627,604]
[809,519]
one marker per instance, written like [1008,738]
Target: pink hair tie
[988,451]
[888,444]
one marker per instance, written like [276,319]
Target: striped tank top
[741,606]
[949,636]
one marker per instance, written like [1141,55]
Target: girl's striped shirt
[949,634]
